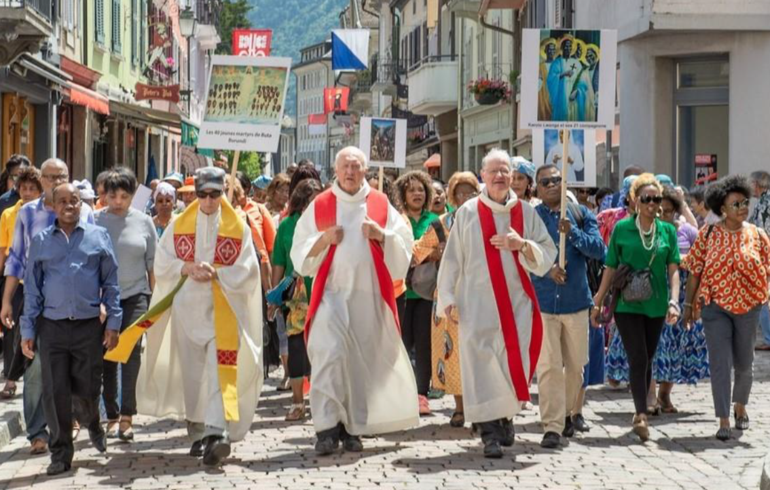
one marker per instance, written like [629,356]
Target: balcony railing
[42,7]
[208,12]
[409,65]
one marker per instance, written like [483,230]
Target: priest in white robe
[203,356]
[355,244]
[484,282]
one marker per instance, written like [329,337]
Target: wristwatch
[524,247]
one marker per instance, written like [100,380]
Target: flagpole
[564,163]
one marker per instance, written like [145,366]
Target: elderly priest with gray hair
[496,242]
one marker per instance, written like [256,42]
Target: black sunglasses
[209,195]
[740,204]
[547,181]
[649,199]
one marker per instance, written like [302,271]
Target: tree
[250,163]
[234,16]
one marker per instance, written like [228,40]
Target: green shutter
[116,27]
[135,22]
[99,21]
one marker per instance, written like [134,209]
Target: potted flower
[488,91]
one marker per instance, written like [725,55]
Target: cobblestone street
[682,453]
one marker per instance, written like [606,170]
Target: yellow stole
[227,251]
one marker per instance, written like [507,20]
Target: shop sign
[168,93]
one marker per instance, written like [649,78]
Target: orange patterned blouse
[734,267]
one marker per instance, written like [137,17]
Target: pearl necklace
[646,236]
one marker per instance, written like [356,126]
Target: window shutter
[99,19]
[135,33]
[116,28]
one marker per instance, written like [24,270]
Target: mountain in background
[296,24]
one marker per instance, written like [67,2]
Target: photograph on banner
[384,141]
[548,148]
[245,103]
[568,79]
[705,169]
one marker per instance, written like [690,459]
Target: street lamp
[187,29]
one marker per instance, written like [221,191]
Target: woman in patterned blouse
[729,266]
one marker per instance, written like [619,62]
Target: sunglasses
[547,181]
[649,199]
[209,195]
[740,204]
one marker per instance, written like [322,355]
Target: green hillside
[296,24]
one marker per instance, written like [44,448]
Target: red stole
[325,218]
[502,299]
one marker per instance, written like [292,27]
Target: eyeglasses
[583,191]
[547,181]
[740,204]
[648,199]
[209,195]
[466,195]
[56,178]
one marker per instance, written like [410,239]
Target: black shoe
[352,444]
[493,449]
[551,440]
[217,449]
[99,440]
[196,450]
[579,423]
[326,445]
[57,468]
[510,433]
[569,428]
[741,423]
[723,434]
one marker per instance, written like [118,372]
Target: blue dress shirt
[68,278]
[582,244]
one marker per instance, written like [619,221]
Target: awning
[88,98]
[433,162]
[44,69]
[487,5]
[146,114]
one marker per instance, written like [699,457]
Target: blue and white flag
[350,49]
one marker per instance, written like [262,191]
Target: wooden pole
[231,188]
[381,179]
[564,163]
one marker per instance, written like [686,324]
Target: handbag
[422,278]
[638,287]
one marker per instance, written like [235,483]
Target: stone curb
[11,425]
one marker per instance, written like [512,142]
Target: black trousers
[133,308]
[17,362]
[640,335]
[415,332]
[71,362]
[299,364]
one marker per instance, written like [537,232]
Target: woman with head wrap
[165,198]
[523,179]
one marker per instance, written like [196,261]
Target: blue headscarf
[523,166]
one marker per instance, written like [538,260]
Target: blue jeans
[764,322]
[33,402]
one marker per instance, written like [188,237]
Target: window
[134,33]
[142,34]
[116,27]
[99,21]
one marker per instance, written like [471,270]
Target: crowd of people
[373,303]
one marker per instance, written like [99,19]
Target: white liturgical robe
[464,281]
[362,376]
[178,377]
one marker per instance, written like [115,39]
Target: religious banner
[568,79]
[336,99]
[383,141]
[548,148]
[252,42]
[169,93]
[245,103]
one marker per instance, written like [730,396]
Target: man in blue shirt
[565,301]
[33,218]
[72,271]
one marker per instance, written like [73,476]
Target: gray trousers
[730,339]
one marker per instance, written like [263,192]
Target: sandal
[296,413]
[723,434]
[39,446]
[741,423]
[457,420]
[284,385]
[8,392]
[641,428]
[126,430]
[666,406]
[75,430]
[653,409]
[112,428]
[424,406]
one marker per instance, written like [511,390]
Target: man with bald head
[33,218]
[355,244]
[71,273]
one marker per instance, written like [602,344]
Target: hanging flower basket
[489,92]
[487,98]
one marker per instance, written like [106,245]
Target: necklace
[647,237]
